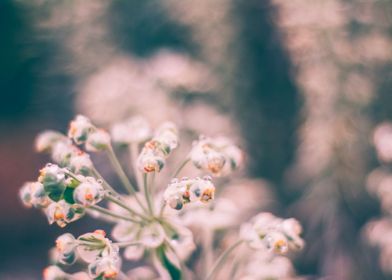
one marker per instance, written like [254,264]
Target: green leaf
[68,195]
[174,271]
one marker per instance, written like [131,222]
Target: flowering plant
[153,226]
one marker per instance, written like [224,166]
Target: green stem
[134,151]
[183,164]
[105,184]
[121,174]
[126,207]
[221,260]
[111,214]
[126,244]
[147,194]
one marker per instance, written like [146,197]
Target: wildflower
[134,130]
[63,213]
[53,179]
[180,192]
[62,151]
[46,139]
[98,140]
[79,129]
[80,163]
[94,245]
[275,234]
[89,192]
[33,194]
[217,156]
[105,268]
[152,157]
[65,245]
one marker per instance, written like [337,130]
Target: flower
[180,192]
[89,192]
[94,245]
[65,245]
[63,213]
[134,130]
[217,156]
[33,194]
[80,163]
[154,153]
[79,129]
[98,140]
[266,231]
[46,139]
[105,268]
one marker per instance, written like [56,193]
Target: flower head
[95,245]
[63,213]
[133,130]
[65,246]
[89,192]
[33,194]
[46,139]
[216,155]
[98,140]
[79,129]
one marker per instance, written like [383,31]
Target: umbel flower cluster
[155,225]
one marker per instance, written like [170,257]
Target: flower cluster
[148,224]
[153,156]
[180,192]
[266,231]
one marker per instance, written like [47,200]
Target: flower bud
[65,245]
[79,129]
[46,139]
[148,162]
[33,194]
[63,213]
[98,140]
[93,245]
[105,268]
[134,130]
[89,192]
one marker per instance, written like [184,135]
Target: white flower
[94,245]
[89,192]
[167,134]
[63,213]
[149,161]
[62,151]
[46,139]
[80,163]
[266,231]
[182,243]
[33,194]
[105,268]
[134,130]
[52,174]
[79,129]
[98,140]
[180,192]
[65,245]
[217,156]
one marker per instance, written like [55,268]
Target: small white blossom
[33,194]
[180,192]
[63,213]
[105,268]
[167,134]
[134,130]
[216,155]
[89,192]
[79,129]
[94,245]
[46,139]
[80,163]
[65,245]
[98,140]
[266,231]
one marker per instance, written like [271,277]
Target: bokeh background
[301,84]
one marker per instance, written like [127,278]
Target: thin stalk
[134,151]
[105,184]
[221,260]
[121,174]
[183,164]
[207,248]
[120,171]
[147,194]
[126,244]
[126,207]
[162,209]
[114,215]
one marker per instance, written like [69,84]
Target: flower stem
[126,207]
[185,162]
[221,260]
[105,184]
[111,214]
[134,151]
[147,194]
[126,244]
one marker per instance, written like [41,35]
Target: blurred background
[301,84]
